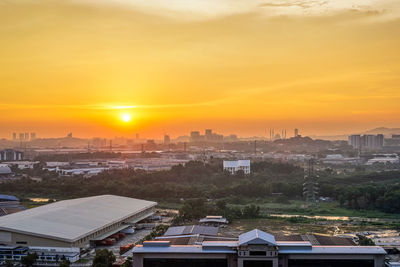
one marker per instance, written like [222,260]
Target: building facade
[254,249]
[10,155]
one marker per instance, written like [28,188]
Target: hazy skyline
[325,67]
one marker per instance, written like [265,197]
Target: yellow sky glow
[326,67]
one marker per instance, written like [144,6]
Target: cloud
[302,4]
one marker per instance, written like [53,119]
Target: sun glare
[126,117]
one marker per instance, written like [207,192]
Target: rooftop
[70,220]
[296,244]
[192,230]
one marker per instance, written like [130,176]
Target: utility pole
[310,186]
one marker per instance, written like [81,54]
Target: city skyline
[210,135]
[328,68]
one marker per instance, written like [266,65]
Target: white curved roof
[5,170]
[70,220]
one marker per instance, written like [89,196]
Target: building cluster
[208,136]
[69,229]
[23,136]
[367,141]
[93,167]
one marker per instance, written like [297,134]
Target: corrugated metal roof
[192,230]
[8,198]
[235,163]
[5,170]
[256,237]
[335,250]
[70,220]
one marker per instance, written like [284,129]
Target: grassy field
[302,226]
[298,207]
[322,209]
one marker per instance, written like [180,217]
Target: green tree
[365,241]
[103,258]
[65,263]
[128,262]
[251,211]
[29,260]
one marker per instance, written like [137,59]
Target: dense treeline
[379,190]
[198,208]
[194,180]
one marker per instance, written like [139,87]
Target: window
[258,253]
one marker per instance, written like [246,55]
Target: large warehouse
[73,223]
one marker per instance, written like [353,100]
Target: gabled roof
[256,237]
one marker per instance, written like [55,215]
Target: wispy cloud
[106,106]
[302,4]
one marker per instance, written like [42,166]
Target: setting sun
[126,117]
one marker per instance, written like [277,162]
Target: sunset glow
[71,66]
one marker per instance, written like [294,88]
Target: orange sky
[326,67]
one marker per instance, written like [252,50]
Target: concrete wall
[9,238]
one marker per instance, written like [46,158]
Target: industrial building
[233,166]
[73,223]
[256,249]
[5,171]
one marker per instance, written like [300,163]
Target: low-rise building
[338,159]
[234,166]
[213,220]
[383,158]
[9,204]
[256,248]
[45,255]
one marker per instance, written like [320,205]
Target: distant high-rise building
[33,136]
[167,139]
[355,141]
[69,135]
[137,136]
[26,136]
[14,136]
[21,136]
[195,136]
[379,140]
[10,155]
[367,141]
[208,134]
[296,132]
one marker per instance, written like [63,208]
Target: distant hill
[383,130]
[387,132]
